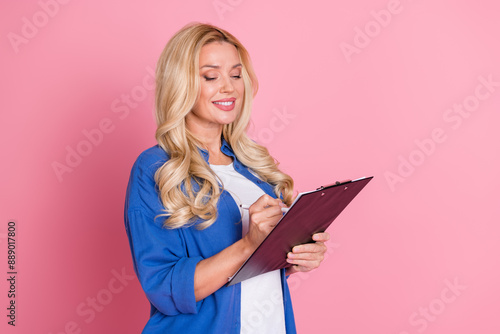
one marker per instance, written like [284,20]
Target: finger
[317,247]
[264,202]
[321,237]
[266,210]
[268,216]
[308,265]
[306,256]
[273,211]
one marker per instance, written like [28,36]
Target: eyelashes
[207,78]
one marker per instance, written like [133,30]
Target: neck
[210,138]
[207,133]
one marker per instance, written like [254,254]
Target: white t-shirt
[262,308]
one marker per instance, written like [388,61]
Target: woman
[186,230]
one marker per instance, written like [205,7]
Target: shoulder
[142,190]
[151,159]
[148,162]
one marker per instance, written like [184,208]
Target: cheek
[208,91]
[241,86]
[240,90]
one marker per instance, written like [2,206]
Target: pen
[246,207]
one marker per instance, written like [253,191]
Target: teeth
[224,103]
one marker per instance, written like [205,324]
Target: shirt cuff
[183,284]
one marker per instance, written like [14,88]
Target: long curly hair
[188,187]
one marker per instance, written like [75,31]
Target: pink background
[429,219]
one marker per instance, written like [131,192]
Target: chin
[228,118]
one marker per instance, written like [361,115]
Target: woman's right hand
[264,215]
[212,273]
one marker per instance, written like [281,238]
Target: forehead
[219,53]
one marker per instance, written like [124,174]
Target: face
[221,90]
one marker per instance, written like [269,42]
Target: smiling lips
[225,104]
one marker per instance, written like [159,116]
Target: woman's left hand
[307,257]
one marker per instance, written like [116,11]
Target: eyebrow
[218,67]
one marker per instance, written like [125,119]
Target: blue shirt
[165,259]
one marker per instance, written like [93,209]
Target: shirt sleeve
[164,271]
[160,255]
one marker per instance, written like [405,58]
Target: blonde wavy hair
[188,188]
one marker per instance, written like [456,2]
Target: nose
[227,85]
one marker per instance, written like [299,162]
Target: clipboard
[310,213]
